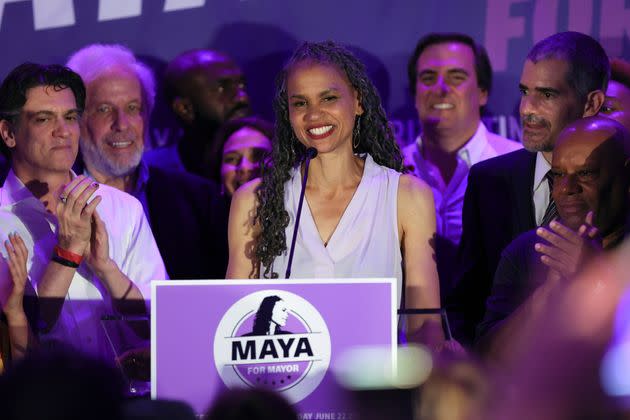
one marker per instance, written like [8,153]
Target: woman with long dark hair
[361,216]
[242,145]
[271,317]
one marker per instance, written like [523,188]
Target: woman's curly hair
[375,138]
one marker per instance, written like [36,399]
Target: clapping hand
[81,230]
[75,214]
[568,250]
[97,252]
[16,257]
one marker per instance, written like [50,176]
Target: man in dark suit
[564,78]
[4,168]
[591,172]
[187,215]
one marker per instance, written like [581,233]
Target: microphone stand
[311,152]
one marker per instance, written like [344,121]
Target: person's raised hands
[567,250]
[97,252]
[75,214]
[17,255]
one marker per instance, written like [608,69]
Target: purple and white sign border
[266,284]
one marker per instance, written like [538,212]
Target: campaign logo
[273,339]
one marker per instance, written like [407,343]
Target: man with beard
[186,213]
[564,78]
[84,259]
[591,185]
[204,88]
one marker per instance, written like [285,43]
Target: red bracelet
[68,255]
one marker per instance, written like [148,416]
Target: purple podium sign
[209,336]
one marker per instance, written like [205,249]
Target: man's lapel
[522,190]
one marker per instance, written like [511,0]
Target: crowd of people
[496,231]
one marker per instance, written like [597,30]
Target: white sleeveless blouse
[365,243]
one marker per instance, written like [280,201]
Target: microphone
[311,152]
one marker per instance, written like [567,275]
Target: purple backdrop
[260,33]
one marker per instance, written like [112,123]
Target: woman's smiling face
[322,106]
[243,153]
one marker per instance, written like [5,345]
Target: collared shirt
[140,187]
[131,246]
[541,187]
[449,199]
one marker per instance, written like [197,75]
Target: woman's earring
[356,133]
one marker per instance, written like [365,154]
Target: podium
[284,335]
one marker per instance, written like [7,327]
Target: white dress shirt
[449,199]
[541,187]
[131,246]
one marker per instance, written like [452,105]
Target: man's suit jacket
[188,218]
[498,206]
[4,168]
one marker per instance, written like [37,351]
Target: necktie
[551,212]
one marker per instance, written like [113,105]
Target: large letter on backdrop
[545,19]
[172,5]
[614,26]
[118,9]
[581,16]
[47,14]
[500,27]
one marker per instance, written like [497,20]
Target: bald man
[591,168]
[204,88]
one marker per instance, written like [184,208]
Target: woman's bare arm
[416,221]
[242,233]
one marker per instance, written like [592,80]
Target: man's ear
[7,134]
[183,108]
[594,101]
[483,97]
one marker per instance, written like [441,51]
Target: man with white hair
[187,216]
[80,260]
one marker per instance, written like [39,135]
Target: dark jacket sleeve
[465,305]
[4,168]
[509,284]
[189,221]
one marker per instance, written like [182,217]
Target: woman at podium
[361,217]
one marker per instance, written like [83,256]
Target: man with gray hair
[564,78]
[120,99]
[187,216]
[84,261]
